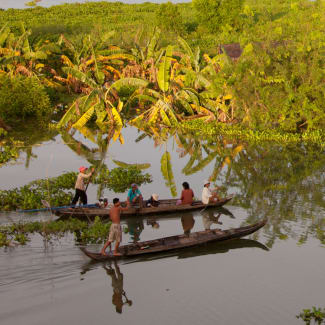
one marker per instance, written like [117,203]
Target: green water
[267,278]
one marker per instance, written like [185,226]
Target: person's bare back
[115,214]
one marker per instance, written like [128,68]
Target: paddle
[92,173]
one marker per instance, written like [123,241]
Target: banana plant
[145,57]
[168,102]
[19,56]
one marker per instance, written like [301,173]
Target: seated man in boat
[134,196]
[209,196]
[187,194]
[115,231]
[153,201]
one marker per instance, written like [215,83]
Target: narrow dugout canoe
[166,206]
[178,242]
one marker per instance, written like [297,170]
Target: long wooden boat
[178,242]
[166,206]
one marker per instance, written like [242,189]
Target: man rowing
[80,186]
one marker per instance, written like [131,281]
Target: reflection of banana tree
[79,148]
[167,172]
[95,157]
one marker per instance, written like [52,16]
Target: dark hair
[116,200]
[186,185]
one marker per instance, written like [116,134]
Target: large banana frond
[117,118]
[126,165]
[167,172]
[153,43]
[81,76]
[84,103]
[164,70]
[129,82]
[4,33]
[185,47]
[87,133]
[84,118]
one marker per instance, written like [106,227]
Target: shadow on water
[187,252]
[112,268]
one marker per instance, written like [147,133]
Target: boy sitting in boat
[115,232]
[134,196]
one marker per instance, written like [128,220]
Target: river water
[20,4]
[267,278]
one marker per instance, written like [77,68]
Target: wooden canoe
[166,206]
[178,242]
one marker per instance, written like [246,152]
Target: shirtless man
[115,232]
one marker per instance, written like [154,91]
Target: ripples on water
[240,282]
[266,279]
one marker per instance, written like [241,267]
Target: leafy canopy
[217,13]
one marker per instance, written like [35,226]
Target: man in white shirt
[207,195]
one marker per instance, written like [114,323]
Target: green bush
[217,13]
[168,17]
[22,97]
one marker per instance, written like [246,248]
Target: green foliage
[9,150]
[167,172]
[315,315]
[55,190]
[22,97]
[120,179]
[214,14]
[93,233]
[169,18]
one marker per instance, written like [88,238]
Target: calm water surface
[267,278]
[20,4]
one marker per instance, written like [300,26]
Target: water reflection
[153,223]
[113,270]
[135,228]
[206,249]
[187,223]
[209,218]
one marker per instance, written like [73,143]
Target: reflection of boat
[213,248]
[166,206]
[180,241]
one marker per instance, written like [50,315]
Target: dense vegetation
[84,233]
[58,191]
[180,70]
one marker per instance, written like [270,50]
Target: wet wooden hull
[166,206]
[178,242]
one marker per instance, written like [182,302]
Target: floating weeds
[315,315]
[84,233]
[29,196]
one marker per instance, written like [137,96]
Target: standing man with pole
[80,186]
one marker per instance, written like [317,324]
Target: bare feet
[117,254]
[103,252]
